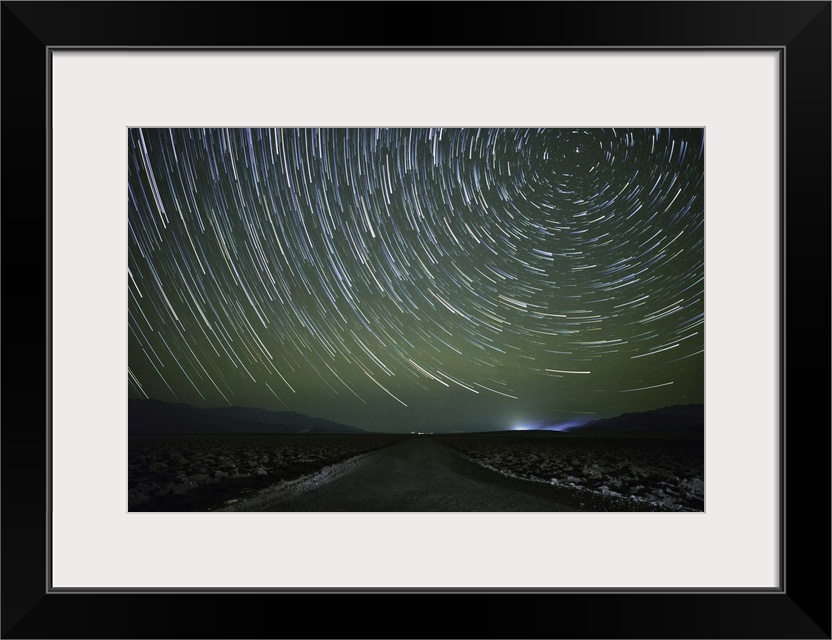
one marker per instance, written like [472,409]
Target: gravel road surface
[417,474]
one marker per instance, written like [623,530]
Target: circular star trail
[431,279]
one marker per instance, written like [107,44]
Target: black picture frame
[800,608]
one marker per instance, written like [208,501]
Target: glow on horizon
[565,425]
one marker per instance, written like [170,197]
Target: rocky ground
[201,473]
[667,474]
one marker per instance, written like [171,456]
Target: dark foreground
[470,473]
[411,475]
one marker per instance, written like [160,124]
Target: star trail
[430,279]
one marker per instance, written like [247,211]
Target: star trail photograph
[416,319]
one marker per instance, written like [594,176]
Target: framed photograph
[557,224]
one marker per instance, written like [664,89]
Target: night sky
[418,279]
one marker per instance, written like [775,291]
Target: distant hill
[154,416]
[678,421]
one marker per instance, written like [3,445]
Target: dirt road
[417,474]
